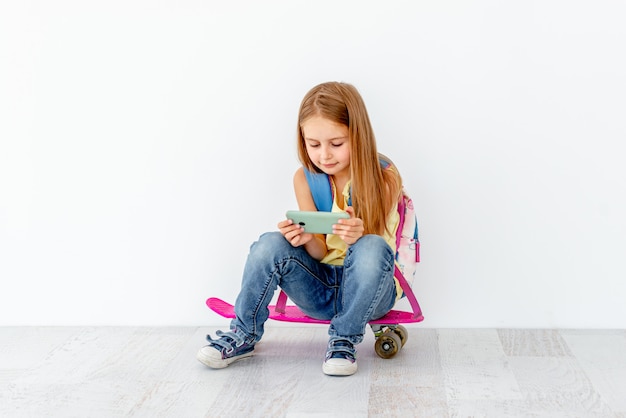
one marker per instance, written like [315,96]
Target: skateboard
[390,335]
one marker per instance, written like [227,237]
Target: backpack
[407,239]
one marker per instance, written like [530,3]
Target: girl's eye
[314,145]
[338,145]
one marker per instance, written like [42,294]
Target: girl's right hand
[294,233]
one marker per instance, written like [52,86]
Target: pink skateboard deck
[293,314]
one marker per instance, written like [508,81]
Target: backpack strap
[322,191]
[281,303]
[408,292]
[404,284]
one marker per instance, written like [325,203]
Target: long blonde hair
[375,191]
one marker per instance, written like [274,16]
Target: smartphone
[316,222]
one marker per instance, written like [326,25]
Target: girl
[345,277]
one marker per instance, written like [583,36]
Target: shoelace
[226,341]
[340,348]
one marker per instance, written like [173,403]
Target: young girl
[345,277]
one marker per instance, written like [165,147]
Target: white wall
[145,145]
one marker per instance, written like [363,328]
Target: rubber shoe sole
[211,357]
[339,367]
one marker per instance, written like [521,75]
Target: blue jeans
[350,296]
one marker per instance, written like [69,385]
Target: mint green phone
[316,222]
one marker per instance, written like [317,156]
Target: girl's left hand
[349,230]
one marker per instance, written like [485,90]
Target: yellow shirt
[337,248]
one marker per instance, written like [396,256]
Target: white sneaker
[228,349]
[340,359]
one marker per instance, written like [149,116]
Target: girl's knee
[272,238]
[370,253]
[268,245]
[372,246]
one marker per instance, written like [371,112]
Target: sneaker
[229,348]
[340,358]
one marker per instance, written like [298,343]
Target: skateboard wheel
[387,345]
[403,333]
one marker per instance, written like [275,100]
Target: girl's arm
[314,244]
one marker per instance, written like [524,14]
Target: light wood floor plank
[533,342]
[24,347]
[98,371]
[412,382]
[475,366]
[602,355]
[558,386]
[321,395]
[265,384]
[186,387]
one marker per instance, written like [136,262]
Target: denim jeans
[350,296]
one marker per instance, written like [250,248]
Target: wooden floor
[152,372]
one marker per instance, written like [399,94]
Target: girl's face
[328,145]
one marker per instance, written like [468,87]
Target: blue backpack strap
[322,192]
[319,183]
[384,163]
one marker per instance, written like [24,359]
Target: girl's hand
[349,230]
[294,233]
